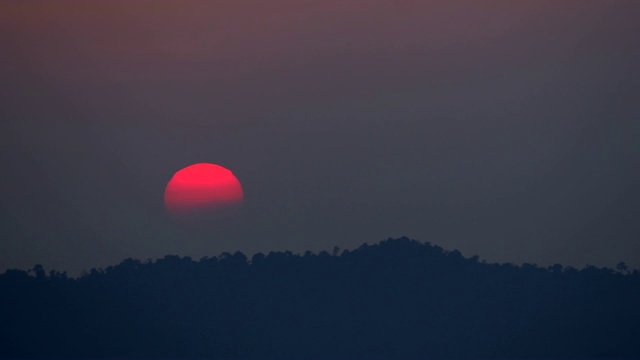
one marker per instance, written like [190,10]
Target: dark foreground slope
[399,298]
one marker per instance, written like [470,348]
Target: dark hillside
[398,298]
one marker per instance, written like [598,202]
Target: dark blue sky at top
[504,129]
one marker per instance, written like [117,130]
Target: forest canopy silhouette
[399,298]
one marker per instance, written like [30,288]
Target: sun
[202,192]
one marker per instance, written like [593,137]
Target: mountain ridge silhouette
[399,298]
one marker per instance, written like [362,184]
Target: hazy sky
[506,129]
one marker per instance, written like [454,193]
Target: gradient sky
[505,129]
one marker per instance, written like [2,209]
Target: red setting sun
[201,192]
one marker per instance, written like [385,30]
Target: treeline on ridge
[396,299]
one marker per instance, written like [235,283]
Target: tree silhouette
[395,299]
[622,267]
